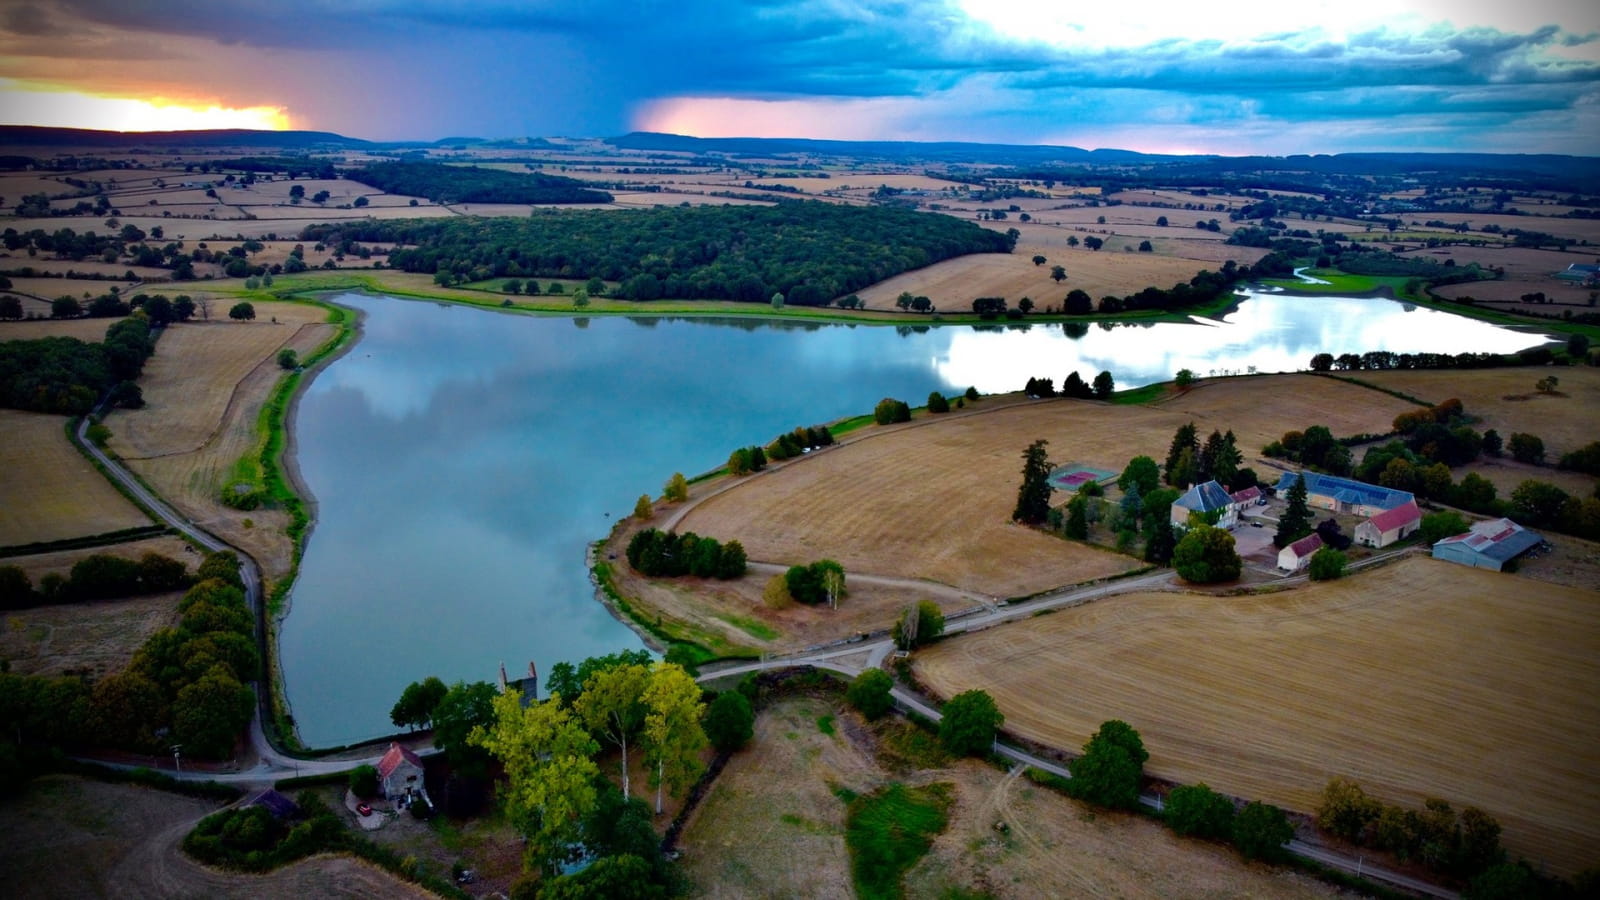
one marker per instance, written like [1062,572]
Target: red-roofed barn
[1389,526]
[1294,557]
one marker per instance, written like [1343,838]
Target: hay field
[98,638]
[933,499]
[204,389]
[48,491]
[1420,679]
[90,330]
[756,836]
[1505,400]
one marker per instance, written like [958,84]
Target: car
[363,809]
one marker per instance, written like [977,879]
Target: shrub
[869,693]
[890,411]
[969,724]
[364,782]
[1199,811]
[1327,564]
[1260,831]
[730,721]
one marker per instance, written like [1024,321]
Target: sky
[1230,76]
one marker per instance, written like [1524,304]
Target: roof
[1204,497]
[1248,495]
[280,806]
[1347,490]
[1390,519]
[394,757]
[1497,539]
[1306,545]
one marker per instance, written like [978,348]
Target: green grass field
[888,830]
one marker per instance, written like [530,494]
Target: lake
[462,459]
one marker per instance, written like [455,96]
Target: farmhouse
[400,773]
[1489,545]
[1294,557]
[1389,526]
[1207,499]
[1345,495]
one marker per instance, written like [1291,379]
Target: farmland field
[98,638]
[91,330]
[49,491]
[757,836]
[933,499]
[1420,679]
[204,389]
[1505,399]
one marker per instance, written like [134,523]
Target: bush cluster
[97,577]
[667,554]
[66,376]
[1456,845]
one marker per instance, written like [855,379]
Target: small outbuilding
[1488,545]
[1206,499]
[399,773]
[281,807]
[1392,525]
[1294,557]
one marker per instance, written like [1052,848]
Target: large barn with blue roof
[1488,545]
[1345,495]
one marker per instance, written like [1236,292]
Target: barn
[1488,545]
[1389,526]
[1345,495]
[1294,557]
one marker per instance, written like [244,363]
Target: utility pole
[177,762]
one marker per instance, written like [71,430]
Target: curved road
[272,764]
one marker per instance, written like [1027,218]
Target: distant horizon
[789,138]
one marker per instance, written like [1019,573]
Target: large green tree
[465,707]
[1295,523]
[1187,437]
[417,702]
[970,720]
[1206,555]
[730,721]
[1260,830]
[1033,497]
[918,625]
[1197,810]
[612,707]
[869,693]
[1111,767]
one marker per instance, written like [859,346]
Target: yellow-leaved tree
[674,737]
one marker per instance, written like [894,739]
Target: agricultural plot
[48,491]
[90,330]
[98,639]
[1420,679]
[934,499]
[1507,401]
[204,390]
[756,836]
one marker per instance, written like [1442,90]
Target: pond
[462,459]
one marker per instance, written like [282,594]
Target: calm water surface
[462,459]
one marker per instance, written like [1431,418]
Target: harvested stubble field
[37,565]
[756,836]
[123,841]
[1506,400]
[933,499]
[91,330]
[204,389]
[97,638]
[48,491]
[1419,679]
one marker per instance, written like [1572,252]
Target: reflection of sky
[462,459]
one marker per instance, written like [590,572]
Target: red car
[364,809]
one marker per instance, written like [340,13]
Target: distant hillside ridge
[38,136]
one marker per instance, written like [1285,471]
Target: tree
[612,707]
[242,311]
[1078,302]
[1141,471]
[1093,243]
[890,411]
[1547,384]
[1187,437]
[1197,810]
[464,708]
[733,562]
[10,307]
[1327,564]
[16,589]
[1295,523]
[287,359]
[1146,247]
[677,488]
[417,703]
[918,625]
[777,300]
[364,781]
[730,721]
[1506,881]
[1474,493]
[1033,496]
[1492,443]
[1104,386]
[1526,448]
[622,876]
[65,308]
[1260,831]
[1132,505]
[937,403]
[969,723]
[1058,273]
[1111,767]
[1537,503]
[210,713]
[549,769]
[1437,526]
[1206,555]
[297,193]
[1161,221]
[1346,811]
[642,508]
[673,734]
[869,693]
[1039,260]
[1185,379]
[1076,526]
[580,298]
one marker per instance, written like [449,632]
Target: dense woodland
[808,252]
[65,375]
[470,184]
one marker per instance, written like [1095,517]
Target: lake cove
[461,459]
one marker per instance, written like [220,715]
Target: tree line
[665,554]
[99,576]
[808,252]
[66,376]
[469,184]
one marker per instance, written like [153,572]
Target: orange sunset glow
[28,105]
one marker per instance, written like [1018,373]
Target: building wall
[1457,553]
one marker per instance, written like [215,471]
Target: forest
[470,184]
[67,376]
[808,252]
